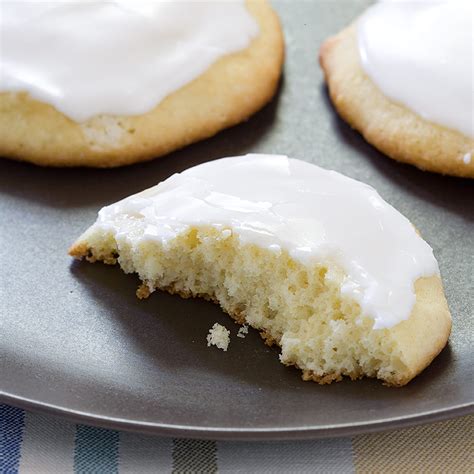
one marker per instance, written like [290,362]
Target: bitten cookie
[317,262]
[402,76]
[217,63]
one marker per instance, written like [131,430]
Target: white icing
[467,158]
[420,54]
[279,204]
[118,57]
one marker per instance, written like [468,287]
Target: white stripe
[325,456]
[144,454]
[48,445]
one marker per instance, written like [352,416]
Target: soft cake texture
[299,309]
[232,89]
[391,127]
[218,336]
[298,306]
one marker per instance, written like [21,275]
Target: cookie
[316,262]
[227,92]
[384,80]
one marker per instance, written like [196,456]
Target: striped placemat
[34,443]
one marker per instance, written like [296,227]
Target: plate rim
[237,434]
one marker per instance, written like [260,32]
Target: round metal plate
[75,340]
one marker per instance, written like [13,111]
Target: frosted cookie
[402,75]
[317,262]
[111,83]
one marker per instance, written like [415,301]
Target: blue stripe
[12,421]
[96,450]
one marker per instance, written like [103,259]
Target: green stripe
[194,456]
[96,450]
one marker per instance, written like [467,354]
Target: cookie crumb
[243,331]
[218,336]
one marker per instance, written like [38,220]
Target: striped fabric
[33,443]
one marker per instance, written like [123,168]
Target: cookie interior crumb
[218,336]
[300,308]
[243,331]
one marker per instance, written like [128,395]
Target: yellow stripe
[440,447]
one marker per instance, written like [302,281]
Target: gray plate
[75,341]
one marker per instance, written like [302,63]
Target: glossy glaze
[120,57]
[283,204]
[420,54]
